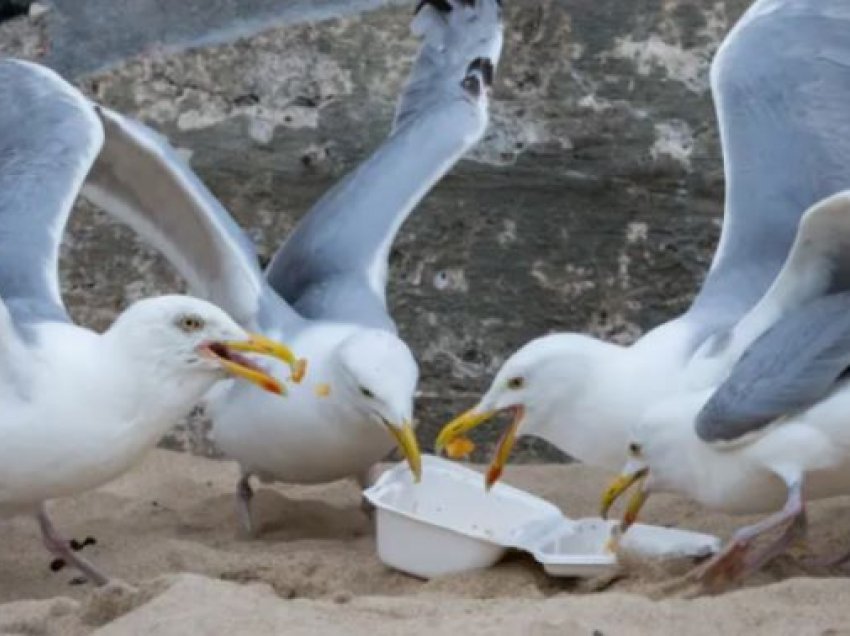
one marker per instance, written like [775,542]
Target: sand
[167,532]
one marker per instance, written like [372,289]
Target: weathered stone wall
[593,204]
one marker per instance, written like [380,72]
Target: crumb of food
[460,448]
[299,370]
[323,389]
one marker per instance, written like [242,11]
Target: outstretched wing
[819,264]
[796,363]
[781,83]
[49,137]
[139,179]
[334,265]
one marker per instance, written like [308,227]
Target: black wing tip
[484,66]
[444,6]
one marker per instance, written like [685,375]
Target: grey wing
[139,179]
[781,84]
[334,265]
[49,137]
[793,365]
[818,264]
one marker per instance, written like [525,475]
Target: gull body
[87,406]
[779,465]
[747,478]
[776,431]
[325,288]
[316,445]
[80,408]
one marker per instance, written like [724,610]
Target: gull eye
[367,393]
[634,448]
[516,383]
[190,323]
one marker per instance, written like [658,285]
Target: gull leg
[62,549]
[244,495]
[795,531]
[738,560]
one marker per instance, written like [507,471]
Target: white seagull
[781,84]
[777,430]
[80,408]
[325,289]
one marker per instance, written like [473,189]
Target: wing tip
[445,6]
[434,14]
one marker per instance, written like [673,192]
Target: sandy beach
[168,535]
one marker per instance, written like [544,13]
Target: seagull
[776,431]
[81,408]
[780,83]
[325,288]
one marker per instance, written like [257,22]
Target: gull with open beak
[774,432]
[80,408]
[324,291]
[634,474]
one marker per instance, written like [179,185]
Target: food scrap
[460,448]
[323,389]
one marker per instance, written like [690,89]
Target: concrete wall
[593,204]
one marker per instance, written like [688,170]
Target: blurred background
[593,204]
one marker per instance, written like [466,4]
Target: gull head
[534,386]
[378,376]
[180,336]
[663,454]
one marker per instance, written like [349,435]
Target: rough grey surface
[593,204]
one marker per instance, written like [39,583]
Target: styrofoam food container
[449,523]
[582,548]
[578,549]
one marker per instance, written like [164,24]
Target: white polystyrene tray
[582,548]
[578,549]
[448,523]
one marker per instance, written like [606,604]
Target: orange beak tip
[274,387]
[493,475]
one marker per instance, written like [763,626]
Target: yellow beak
[227,354]
[469,420]
[460,425]
[405,437]
[259,344]
[619,486]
